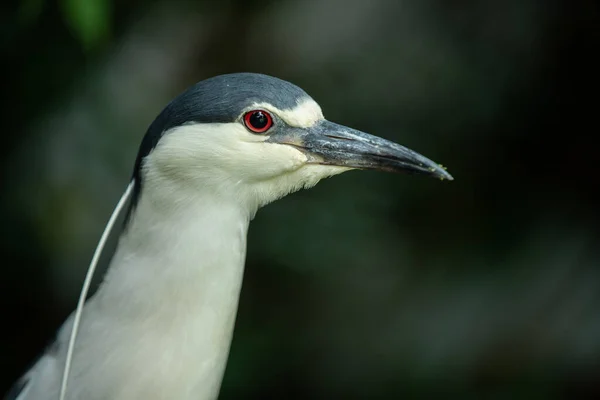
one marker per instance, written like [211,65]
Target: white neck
[176,276]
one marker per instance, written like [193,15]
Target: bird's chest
[188,364]
[179,353]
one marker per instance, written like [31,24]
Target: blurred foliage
[89,20]
[368,285]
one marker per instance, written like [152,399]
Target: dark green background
[371,284]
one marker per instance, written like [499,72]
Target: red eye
[258,121]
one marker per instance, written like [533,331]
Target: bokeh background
[370,285]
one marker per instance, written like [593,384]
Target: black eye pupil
[258,120]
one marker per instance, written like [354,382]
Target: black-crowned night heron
[160,324]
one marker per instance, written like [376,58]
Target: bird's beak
[328,143]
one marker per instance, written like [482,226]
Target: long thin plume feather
[86,285]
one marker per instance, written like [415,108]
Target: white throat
[173,288]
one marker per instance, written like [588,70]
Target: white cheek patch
[304,115]
[285,158]
[297,158]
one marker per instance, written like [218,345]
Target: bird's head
[255,138]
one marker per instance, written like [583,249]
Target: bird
[160,324]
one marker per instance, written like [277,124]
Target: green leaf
[90,20]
